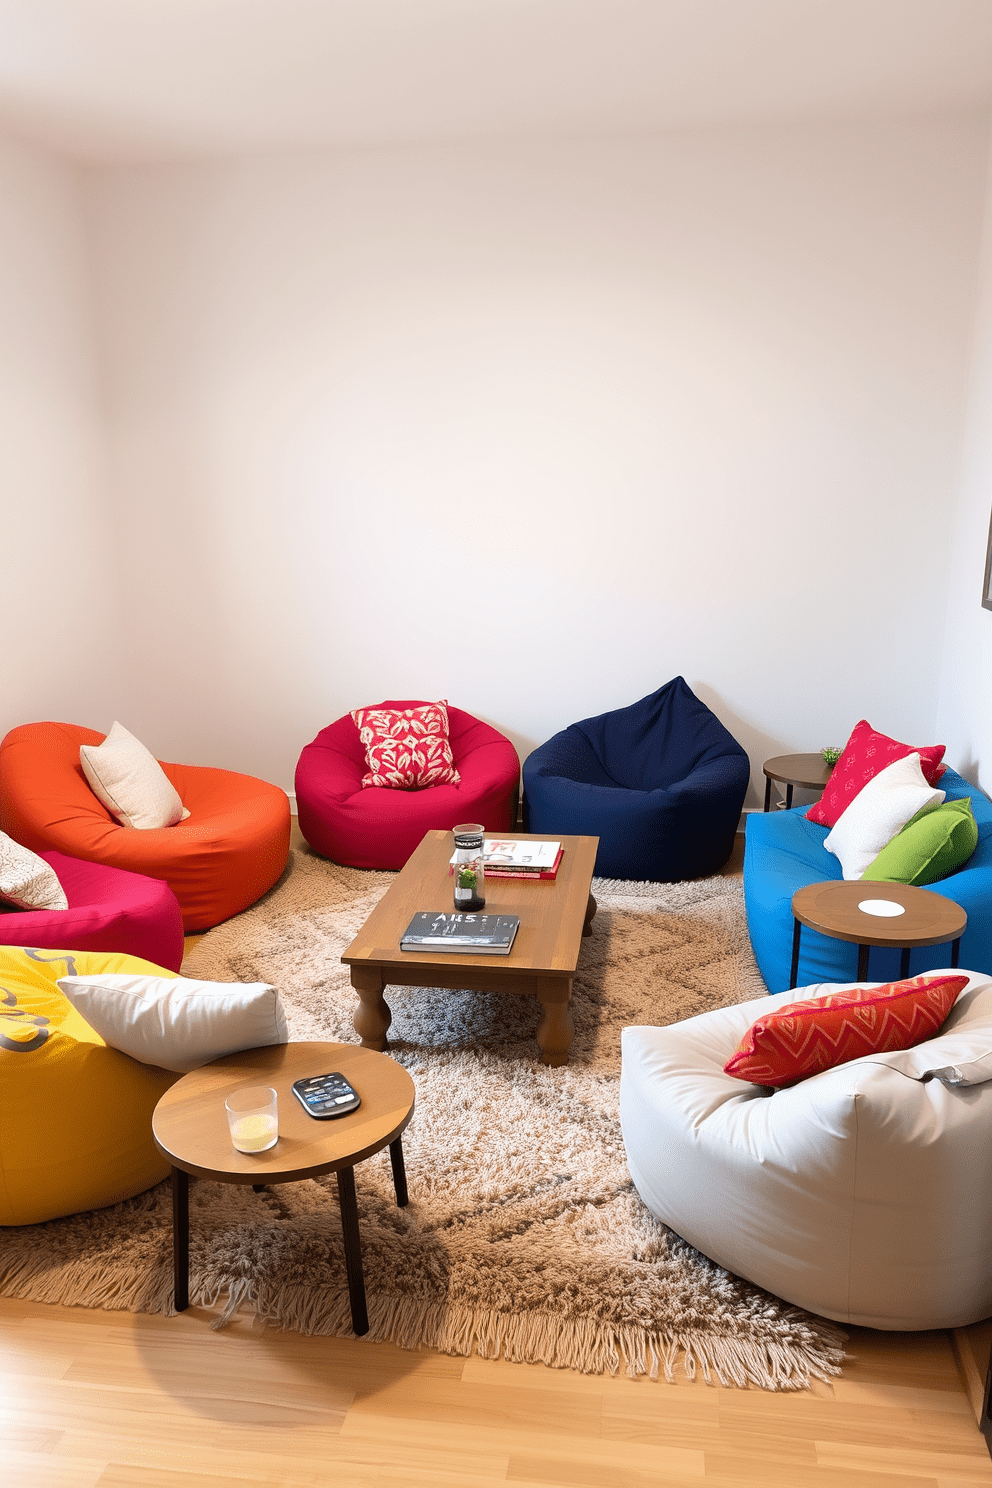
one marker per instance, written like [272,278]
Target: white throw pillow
[880,810]
[130,782]
[175,1022]
[27,881]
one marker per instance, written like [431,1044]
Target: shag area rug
[524,1236]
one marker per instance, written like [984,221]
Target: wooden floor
[113,1399]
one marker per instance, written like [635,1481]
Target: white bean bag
[863,1193]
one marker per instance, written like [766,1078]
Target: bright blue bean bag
[783,852]
[661,784]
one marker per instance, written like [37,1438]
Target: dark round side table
[808,770]
[190,1128]
[899,915]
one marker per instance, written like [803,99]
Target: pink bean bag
[380,827]
[109,910]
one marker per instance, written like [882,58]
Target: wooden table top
[809,770]
[191,1131]
[832,908]
[552,912]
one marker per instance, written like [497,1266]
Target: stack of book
[509,857]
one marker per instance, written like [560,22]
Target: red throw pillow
[807,1037]
[406,748]
[865,753]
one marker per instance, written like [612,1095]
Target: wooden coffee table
[190,1128]
[554,916]
[832,909]
[811,771]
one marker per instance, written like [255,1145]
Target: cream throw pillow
[880,810]
[27,881]
[130,782]
[175,1022]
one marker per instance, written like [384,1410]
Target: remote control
[326,1096]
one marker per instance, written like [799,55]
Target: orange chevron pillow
[807,1037]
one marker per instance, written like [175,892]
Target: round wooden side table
[903,916]
[808,770]
[190,1128]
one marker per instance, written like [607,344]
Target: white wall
[965,712]
[537,428]
[57,656]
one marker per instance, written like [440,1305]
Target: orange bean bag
[229,851]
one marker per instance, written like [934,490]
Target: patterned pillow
[27,881]
[865,753]
[407,748]
[807,1037]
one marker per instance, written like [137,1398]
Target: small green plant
[831,754]
[468,879]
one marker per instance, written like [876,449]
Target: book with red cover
[509,872]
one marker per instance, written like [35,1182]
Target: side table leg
[352,1250]
[955,951]
[797,931]
[590,914]
[399,1172]
[863,963]
[555,1031]
[768,793]
[180,1239]
[372,1015]
[788,797]
[904,964]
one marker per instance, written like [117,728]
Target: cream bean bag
[861,1193]
[75,1116]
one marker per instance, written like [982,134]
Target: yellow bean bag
[75,1116]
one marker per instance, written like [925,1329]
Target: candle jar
[467,870]
[253,1117]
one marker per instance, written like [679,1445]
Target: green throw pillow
[929,847]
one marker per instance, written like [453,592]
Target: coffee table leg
[863,962]
[590,914]
[372,1015]
[797,931]
[955,951]
[352,1250]
[180,1239]
[399,1172]
[904,963]
[555,1031]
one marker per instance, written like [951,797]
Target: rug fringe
[533,1338]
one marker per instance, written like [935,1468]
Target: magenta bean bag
[380,827]
[110,909]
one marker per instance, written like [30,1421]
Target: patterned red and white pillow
[806,1037]
[865,754]
[407,748]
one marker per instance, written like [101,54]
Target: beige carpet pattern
[524,1236]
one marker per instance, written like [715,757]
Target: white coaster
[884,908]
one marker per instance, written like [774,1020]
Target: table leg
[863,963]
[372,1016]
[788,797]
[955,951]
[180,1239]
[768,793]
[904,963]
[590,913]
[399,1172]
[352,1250]
[797,931]
[555,1031]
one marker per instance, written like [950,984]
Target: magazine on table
[518,855]
[467,934]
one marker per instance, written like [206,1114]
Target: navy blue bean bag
[784,852]
[661,784]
